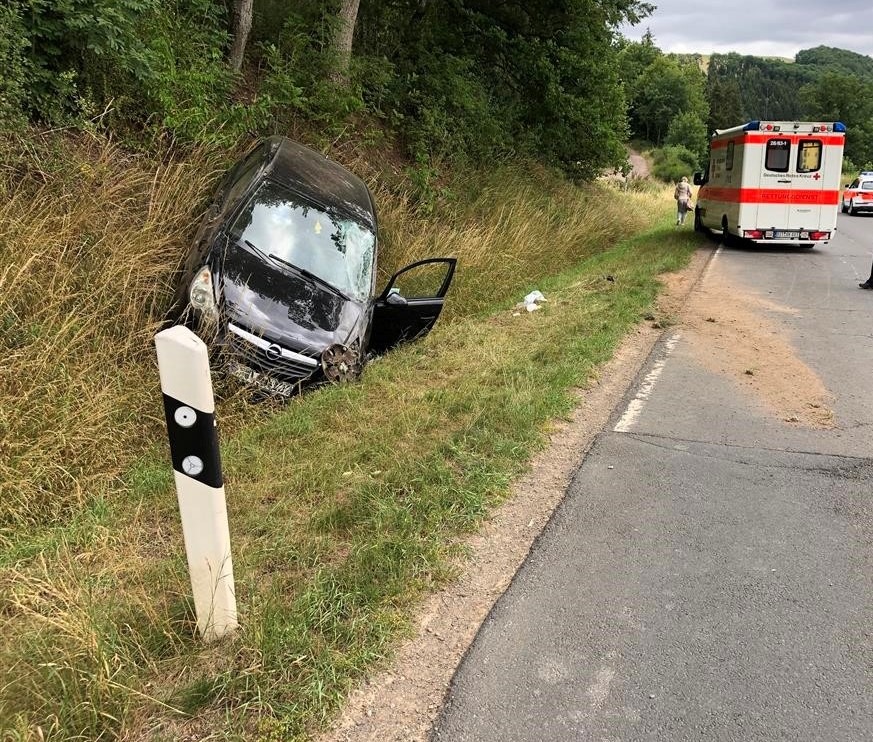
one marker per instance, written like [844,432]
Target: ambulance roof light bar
[756,125]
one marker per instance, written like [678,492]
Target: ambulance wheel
[843,206]
[726,237]
[852,211]
[698,225]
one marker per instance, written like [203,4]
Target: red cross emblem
[816,176]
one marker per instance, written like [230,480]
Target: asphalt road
[709,575]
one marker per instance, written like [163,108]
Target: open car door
[411,303]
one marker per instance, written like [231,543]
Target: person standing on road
[682,194]
[868,284]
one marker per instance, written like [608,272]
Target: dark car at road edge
[282,273]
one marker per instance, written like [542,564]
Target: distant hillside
[836,60]
[675,100]
[767,88]
[770,88]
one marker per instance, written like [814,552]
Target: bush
[13,81]
[445,109]
[671,163]
[689,131]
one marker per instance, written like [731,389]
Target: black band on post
[194,439]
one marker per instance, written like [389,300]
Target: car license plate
[786,234]
[261,381]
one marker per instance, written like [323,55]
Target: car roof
[322,180]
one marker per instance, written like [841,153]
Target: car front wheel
[851,209]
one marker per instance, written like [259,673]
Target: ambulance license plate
[786,234]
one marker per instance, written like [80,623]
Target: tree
[242,25]
[841,97]
[345,34]
[688,130]
[725,103]
[633,59]
[490,78]
[664,90]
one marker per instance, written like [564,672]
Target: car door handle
[783,181]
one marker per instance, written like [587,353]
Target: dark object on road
[282,274]
[868,284]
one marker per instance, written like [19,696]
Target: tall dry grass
[509,229]
[89,238]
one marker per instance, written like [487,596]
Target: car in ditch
[282,274]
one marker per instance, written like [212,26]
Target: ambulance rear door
[808,184]
[778,181]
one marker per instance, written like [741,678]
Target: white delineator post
[183,363]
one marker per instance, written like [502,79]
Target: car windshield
[337,250]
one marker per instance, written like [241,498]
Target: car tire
[843,206]
[726,237]
[698,225]
[851,210]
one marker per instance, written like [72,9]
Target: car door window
[421,281]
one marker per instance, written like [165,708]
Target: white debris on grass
[533,300]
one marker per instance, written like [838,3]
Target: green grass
[346,505]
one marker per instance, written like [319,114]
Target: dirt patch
[639,164]
[402,701]
[737,334]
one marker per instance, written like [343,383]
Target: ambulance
[772,182]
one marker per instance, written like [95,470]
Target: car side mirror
[698,179]
[396,299]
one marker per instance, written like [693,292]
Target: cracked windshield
[336,250]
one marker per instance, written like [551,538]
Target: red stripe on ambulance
[770,196]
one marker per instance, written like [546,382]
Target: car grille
[260,354]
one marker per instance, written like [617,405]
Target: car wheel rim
[341,364]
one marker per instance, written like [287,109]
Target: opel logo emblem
[273,352]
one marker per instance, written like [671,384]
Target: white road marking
[635,408]
[711,263]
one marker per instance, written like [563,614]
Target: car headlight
[201,294]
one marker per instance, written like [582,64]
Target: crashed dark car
[282,274]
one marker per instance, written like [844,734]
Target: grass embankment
[345,505]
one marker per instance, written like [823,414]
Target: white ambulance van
[772,182]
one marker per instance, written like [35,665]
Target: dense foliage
[459,79]
[674,104]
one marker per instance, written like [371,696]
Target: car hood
[285,307]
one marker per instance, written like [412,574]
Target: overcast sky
[770,28]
